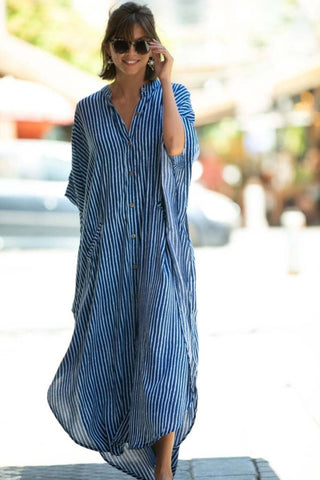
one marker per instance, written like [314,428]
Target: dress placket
[133,214]
[133,207]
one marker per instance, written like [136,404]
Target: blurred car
[35,213]
[212,216]
[33,209]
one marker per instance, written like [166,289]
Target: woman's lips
[130,62]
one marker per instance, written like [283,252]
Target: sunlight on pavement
[259,355]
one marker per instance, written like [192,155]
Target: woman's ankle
[163,473]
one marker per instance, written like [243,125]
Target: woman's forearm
[173,129]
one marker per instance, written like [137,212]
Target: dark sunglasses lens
[121,46]
[142,47]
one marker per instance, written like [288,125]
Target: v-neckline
[127,127]
[131,113]
[147,87]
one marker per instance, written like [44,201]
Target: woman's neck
[125,87]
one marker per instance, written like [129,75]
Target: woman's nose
[131,48]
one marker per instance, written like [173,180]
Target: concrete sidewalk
[259,388]
[237,468]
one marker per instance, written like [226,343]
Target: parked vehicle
[212,216]
[33,209]
[34,212]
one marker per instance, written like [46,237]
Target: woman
[126,386]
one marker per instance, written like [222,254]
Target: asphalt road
[259,387]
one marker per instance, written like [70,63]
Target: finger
[158,56]
[162,54]
[157,47]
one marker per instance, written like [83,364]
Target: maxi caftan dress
[129,374]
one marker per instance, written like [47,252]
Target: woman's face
[131,62]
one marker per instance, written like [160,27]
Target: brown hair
[120,25]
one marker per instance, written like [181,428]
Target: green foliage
[55,27]
[220,136]
[293,139]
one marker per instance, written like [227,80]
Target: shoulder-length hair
[120,25]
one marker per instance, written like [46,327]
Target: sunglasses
[142,47]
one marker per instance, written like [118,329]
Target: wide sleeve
[176,170]
[75,191]
[191,147]
[175,179]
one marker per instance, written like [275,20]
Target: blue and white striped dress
[129,374]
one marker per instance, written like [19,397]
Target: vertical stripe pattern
[129,374]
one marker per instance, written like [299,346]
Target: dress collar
[148,88]
[145,90]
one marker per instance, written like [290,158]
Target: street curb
[264,470]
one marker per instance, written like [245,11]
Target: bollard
[293,220]
[254,201]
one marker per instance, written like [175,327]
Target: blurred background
[253,70]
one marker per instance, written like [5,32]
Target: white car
[33,209]
[212,216]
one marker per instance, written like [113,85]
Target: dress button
[131,205]
[137,114]
[135,267]
[129,143]
[133,235]
[131,173]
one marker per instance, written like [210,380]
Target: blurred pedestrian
[127,384]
